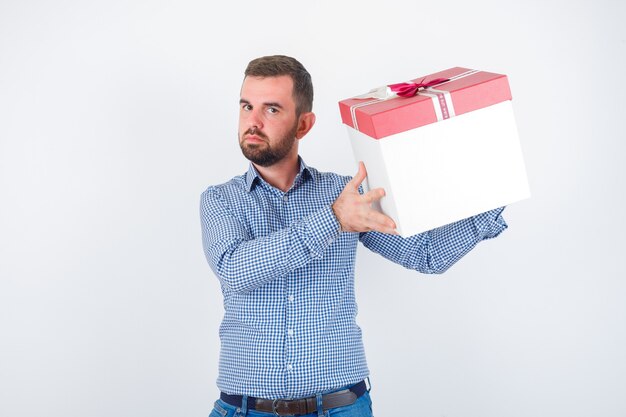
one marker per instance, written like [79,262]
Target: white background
[114,117]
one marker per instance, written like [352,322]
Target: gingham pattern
[287,275]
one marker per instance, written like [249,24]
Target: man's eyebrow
[272,104]
[267,104]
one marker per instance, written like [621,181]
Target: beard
[264,154]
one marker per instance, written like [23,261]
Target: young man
[282,241]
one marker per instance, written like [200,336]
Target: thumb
[360,176]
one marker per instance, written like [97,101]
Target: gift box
[444,147]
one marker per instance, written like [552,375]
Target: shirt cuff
[490,223]
[323,230]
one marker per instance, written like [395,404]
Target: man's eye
[272,110]
[246,107]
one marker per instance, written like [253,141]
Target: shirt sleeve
[435,251]
[243,263]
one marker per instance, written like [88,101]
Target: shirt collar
[252,176]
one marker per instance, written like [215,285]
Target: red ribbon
[411,89]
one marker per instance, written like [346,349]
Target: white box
[446,171]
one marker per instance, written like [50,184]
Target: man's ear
[305,123]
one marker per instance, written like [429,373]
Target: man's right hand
[354,211]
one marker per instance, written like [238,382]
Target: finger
[373,195]
[387,230]
[382,223]
[359,177]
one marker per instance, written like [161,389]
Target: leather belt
[299,406]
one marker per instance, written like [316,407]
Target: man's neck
[282,174]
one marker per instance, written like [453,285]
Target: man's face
[267,119]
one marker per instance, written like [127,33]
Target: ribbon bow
[411,89]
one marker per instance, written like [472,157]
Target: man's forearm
[435,251]
[243,262]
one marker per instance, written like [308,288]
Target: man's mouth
[253,138]
[256,137]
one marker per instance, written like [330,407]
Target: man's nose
[255,119]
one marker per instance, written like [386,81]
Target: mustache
[255,131]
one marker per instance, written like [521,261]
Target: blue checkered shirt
[287,276]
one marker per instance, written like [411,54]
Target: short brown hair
[277,65]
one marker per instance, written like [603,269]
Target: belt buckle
[274,404]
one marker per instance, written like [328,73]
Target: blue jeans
[361,408]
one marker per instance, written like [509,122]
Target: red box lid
[467,90]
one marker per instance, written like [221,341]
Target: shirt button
[291,298]
[289,367]
[285,198]
[290,332]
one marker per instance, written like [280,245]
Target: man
[282,241]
